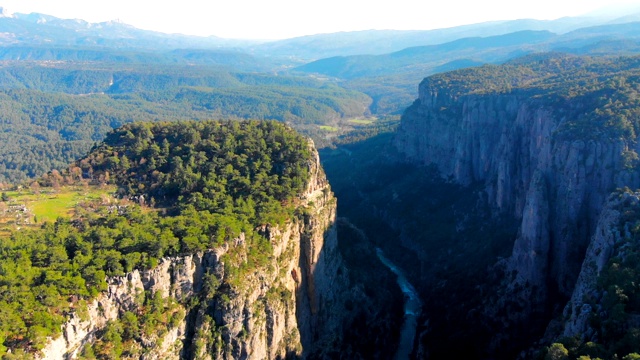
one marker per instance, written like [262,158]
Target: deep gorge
[505,196]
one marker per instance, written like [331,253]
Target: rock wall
[275,312]
[179,277]
[554,187]
[578,312]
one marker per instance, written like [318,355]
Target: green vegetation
[154,317]
[598,96]
[328,128]
[253,168]
[362,121]
[28,208]
[52,115]
[213,180]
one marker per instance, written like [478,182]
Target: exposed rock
[507,142]
[270,314]
[554,186]
[577,311]
[613,238]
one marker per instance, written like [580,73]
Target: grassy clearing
[362,121]
[328,128]
[28,209]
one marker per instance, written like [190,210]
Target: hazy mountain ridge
[425,58]
[224,58]
[379,42]
[390,78]
[38,28]
[492,49]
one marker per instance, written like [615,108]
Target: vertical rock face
[268,314]
[578,312]
[554,186]
[179,277]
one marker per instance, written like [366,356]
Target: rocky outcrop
[179,277]
[273,311]
[554,186]
[578,311]
[600,299]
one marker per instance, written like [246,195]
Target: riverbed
[412,308]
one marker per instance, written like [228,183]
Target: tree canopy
[210,182]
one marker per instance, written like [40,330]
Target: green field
[27,208]
[328,128]
[362,121]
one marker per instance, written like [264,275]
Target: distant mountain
[378,42]
[223,57]
[610,38]
[40,29]
[425,59]
[384,64]
[35,30]
[390,78]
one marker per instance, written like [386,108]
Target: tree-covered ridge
[52,113]
[597,97]
[556,72]
[212,180]
[251,166]
[112,78]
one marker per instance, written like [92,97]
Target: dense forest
[212,180]
[51,115]
[606,87]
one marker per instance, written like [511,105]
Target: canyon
[519,145]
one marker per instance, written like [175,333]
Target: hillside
[492,166]
[380,42]
[53,113]
[42,29]
[424,58]
[220,240]
[59,95]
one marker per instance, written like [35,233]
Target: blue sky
[274,19]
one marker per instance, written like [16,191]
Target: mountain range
[41,29]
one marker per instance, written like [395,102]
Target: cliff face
[578,311]
[554,187]
[273,312]
[603,305]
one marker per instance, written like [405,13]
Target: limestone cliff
[542,162]
[274,311]
[554,187]
[608,233]
[602,311]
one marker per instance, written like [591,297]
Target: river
[412,309]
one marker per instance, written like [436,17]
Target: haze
[278,19]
